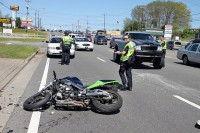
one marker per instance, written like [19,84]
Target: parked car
[53,47]
[89,37]
[112,41]
[83,43]
[73,35]
[100,39]
[189,54]
[193,41]
[174,45]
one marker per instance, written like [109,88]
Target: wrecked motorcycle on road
[101,96]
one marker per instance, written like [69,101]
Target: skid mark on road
[35,119]
[187,101]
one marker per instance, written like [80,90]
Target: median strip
[186,101]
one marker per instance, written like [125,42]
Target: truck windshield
[141,36]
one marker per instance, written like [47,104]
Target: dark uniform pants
[65,54]
[164,52]
[125,67]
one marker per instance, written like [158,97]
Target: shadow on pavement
[137,65]
[191,64]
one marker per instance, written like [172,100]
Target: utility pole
[40,23]
[87,26]
[35,19]
[38,20]
[104,22]
[27,14]
[164,13]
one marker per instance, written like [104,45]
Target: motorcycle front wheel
[36,101]
[104,105]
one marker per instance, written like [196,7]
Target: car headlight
[138,47]
[159,48]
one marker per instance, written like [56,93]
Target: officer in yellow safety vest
[66,45]
[126,62]
[163,44]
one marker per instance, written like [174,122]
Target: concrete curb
[17,70]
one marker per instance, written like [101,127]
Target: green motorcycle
[70,92]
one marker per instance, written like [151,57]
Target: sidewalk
[9,68]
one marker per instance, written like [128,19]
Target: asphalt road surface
[162,101]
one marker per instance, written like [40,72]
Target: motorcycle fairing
[102,82]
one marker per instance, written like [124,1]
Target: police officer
[66,45]
[163,44]
[164,47]
[125,64]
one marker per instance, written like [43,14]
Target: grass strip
[16,51]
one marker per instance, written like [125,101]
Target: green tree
[18,22]
[130,25]
[159,13]
[188,34]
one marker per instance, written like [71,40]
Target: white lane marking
[35,119]
[101,59]
[188,102]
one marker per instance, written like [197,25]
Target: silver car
[191,53]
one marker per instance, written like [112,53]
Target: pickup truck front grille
[149,48]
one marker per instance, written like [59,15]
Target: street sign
[5,20]
[16,8]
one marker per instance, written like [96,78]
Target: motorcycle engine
[68,92]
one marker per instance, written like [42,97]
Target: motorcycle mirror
[54,74]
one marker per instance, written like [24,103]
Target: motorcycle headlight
[159,48]
[138,47]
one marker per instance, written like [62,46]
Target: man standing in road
[164,47]
[126,62]
[66,45]
[163,44]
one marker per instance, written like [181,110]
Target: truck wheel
[157,64]
[116,57]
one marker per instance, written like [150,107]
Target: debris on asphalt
[197,125]
[0,108]
[10,131]
[10,104]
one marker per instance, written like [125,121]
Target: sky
[68,14]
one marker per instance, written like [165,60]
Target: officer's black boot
[123,87]
[129,88]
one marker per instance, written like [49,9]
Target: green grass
[16,51]
[23,39]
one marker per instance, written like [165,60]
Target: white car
[53,47]
[83,43]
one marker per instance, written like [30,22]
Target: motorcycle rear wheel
[36,101]
[111,106]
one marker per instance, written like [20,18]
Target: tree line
[157,14]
